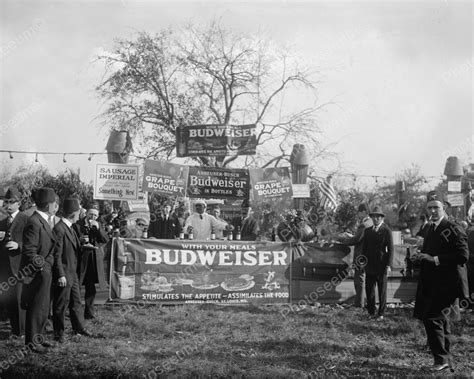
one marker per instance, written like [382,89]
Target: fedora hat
[71,205]
[13,194]
[376,211]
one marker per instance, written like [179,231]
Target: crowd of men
[44,259]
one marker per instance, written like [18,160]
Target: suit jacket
[164,229]
[16,234]
[423,230]
[248,228]
[377,246]
[357,240]
[439,286]
[38,240]
[65,252]
[97,237]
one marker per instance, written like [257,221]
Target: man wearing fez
[442,280]
[377,248]
[247,224]
[36,261]
[202,224]
[91,257]
[357,241]
[164,225]
[11,244]
[66,289]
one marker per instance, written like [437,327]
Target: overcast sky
[401,73]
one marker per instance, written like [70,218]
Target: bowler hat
[377,211]
[13,193]
[71,205]
[44,195]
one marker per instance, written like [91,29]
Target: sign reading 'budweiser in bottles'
[216,140]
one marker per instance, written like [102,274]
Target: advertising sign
[270,183]
[216,140]
[455,199]
[217,183]
[165,178]
[115,181]
[179,271]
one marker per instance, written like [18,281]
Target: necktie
[201,217]
[9,221]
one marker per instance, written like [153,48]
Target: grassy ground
[217,341]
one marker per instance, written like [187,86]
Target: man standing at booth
[442,280]
[358,263]
[37,259]
[11,244]
[202,224]
[246,223]
[91,257]
[377,247]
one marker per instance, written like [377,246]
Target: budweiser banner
[216,140]
[270,183]
[165,178]
[179,271]
[210,182]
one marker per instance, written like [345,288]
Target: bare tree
[210,75]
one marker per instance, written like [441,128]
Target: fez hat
[363,208]
[435,196]
[71,205]
[44,195]
[13,193]
[377,211]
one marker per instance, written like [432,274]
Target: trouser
[69,296]
[36,300]
[359,284]
[371,281]
[438,331]
[89,298]
[15,313]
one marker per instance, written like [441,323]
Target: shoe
[89,317]
[84,332]
[379,318]
[440,367]
[47,344]
[370,317]
[39,349]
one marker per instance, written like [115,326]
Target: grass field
[247,341]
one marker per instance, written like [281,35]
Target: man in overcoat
[91,257]
[377,248]
[66,289]
[36,264]
[164,225]
[442,280]
[246,223]
[11,245]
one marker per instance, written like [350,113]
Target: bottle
[213,235]
[145,234]
[238,235]
[273,234]
[230,236]
[181,234]
[190,235]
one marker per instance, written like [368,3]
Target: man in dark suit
[377,248]
[36,261]
[91,257]
[11,244]
[66,290]
[247,225]
[164,225]
[442,280]
[425,226]
[357,241]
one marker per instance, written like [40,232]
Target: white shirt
[67,222]
[436,223]
[13,215]
[202,228]
[44,215]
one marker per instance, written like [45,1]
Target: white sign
[456,199]
[300,191]
[115,181]
[454,186]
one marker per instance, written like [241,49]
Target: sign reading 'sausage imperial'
[216,140]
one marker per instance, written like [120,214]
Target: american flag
[328,195]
